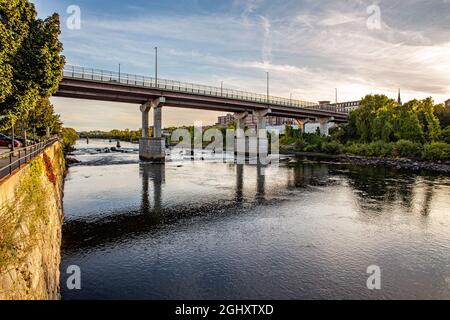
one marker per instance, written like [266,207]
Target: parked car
[6,141]
[22,140]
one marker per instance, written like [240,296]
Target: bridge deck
[103,85]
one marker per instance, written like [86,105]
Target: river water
[213,230]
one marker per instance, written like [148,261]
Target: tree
[69,138]
[370,118]
[382,127]
[15,19]
[45,118]
[36,60]
[429,122]
[406,124]
[381,118]
[442,112]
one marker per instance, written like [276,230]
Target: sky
[310,47]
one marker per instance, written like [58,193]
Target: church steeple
[399,98]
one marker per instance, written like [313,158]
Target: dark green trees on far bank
[31,63]
[380,118]
[382,127]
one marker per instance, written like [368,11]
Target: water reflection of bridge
[371,193]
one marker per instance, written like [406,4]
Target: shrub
[446,134]
[300,145]
[436,151]
[285,141]
[333,147]
[357,149]
[311,148]
[408,149]
[313,139]
[69,138]
[380,149]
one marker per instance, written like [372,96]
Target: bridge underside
[153,148]
[84,89]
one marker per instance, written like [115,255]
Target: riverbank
[395,163]
[31,214]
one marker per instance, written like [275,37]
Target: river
[214,230]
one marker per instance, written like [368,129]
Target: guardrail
[19,157]
[75,72]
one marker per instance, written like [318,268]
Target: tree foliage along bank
[31,66]
[384,128]
[69,138]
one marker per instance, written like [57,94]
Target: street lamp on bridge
[156,66]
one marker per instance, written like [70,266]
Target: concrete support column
[261,118]
[302,124]
[152,149]
[157,121]
[145,108]
[241,142]
[240,117]
[263,143]
[323,125]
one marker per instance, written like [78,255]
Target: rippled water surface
[212,230]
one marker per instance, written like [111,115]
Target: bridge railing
[13,160]
[76,72]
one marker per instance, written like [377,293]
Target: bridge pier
[263,142]
[241,145]
[152,149]
[240,117]
[302,123]
[323,125]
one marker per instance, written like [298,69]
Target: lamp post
[221,88]
[119,72]
[268,88]
[156,66]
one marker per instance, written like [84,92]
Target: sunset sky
[309,47]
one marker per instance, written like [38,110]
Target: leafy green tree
[349,129]
[45,118]
[15,19]
[406,124]
[446,134]
[429,122]
[69,138]
[382,127]
[442,112]
[36,63]
[370,118]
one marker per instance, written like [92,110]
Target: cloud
[309,47]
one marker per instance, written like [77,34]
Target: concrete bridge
[151,93]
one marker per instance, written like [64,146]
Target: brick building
[347,106]
[250,121]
